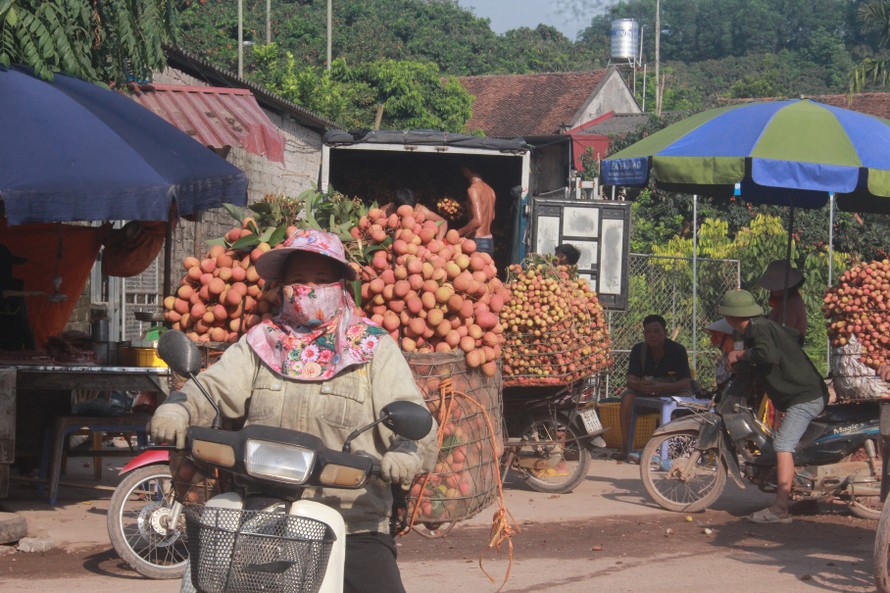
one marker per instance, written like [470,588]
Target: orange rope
[503,524]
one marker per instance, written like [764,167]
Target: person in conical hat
[721,334]
[795,313]
[791,380]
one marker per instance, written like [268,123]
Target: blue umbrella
[791,153]
[73,150]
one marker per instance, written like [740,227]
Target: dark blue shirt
[673,366]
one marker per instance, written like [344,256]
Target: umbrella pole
[830,268]
[695,282]
[168,255]
[787,265]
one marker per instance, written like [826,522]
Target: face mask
[312,305]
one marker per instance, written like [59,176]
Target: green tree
[874,70]
[403,94]
[109,41]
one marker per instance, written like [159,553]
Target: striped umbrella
[791,153]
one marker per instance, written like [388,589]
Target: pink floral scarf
[316,353]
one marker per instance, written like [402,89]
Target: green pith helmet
[739,303]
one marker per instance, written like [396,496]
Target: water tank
[625,39]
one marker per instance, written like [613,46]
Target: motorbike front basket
[237,551]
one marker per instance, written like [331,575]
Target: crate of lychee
[857,310]
[440,299]
[554,327]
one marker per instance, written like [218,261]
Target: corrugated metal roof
[215,117]
[203,70]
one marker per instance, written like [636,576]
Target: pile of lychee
[554,326]
[431,295]
[858,306]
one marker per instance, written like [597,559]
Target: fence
[687,301]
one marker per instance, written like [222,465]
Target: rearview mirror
[180,353]
[407,419]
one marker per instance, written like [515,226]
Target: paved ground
[604,536]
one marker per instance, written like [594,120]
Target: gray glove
[399,468]
[169,424]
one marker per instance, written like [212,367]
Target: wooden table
[100,378]
[17,380]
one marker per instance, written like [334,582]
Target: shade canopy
[791,153]
[74,151]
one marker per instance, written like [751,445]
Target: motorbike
[550,434]
[145,521]
[684,465]
[261,535]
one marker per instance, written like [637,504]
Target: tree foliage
[873,70]
[108,41]
[402,94]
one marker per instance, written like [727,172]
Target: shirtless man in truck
[481,212]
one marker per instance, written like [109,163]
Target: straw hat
[774,276]
[270,265]
[739,303]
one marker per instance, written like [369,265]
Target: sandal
[767,516]
[619,455]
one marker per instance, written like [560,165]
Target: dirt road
[604,536]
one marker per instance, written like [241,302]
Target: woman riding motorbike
[320,368]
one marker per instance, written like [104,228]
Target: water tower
[627,49]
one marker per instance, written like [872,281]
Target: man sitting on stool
[658,367]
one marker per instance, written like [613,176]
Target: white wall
[613,96]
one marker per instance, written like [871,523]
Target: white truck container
[538,205]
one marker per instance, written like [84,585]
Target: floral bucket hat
[270,264]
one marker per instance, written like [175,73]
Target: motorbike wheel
[569,472]
[137,527]
[882,552]
[866,507]
[694,493]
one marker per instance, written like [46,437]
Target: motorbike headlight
[278,461]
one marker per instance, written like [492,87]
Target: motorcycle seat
[848,411]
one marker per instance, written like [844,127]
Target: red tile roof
[215,117]
[529,104]
[877,104]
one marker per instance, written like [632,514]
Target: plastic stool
[665,405]
[54,448]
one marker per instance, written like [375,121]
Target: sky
[512,14]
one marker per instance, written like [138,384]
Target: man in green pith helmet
[791,380]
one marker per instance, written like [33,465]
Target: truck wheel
[138,524]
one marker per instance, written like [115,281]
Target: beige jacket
[244,386]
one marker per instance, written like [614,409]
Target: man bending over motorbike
[658,367]
[320,368]
[792,383]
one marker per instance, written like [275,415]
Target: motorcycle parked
[550,434]
[685,463]
[262,536]
[145,523]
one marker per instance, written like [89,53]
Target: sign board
[599,229]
